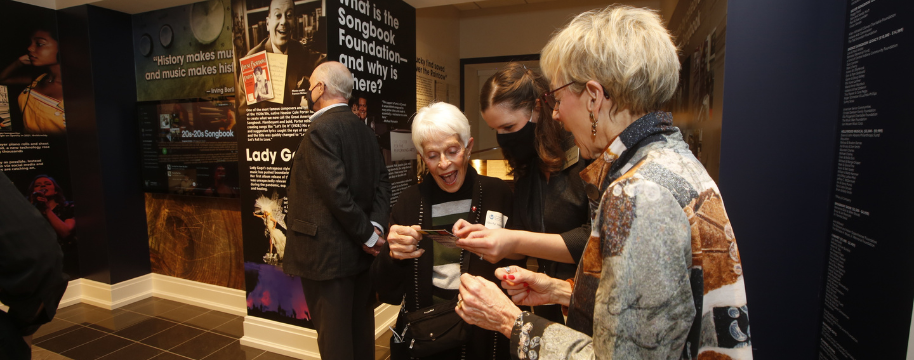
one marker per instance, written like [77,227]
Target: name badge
[571,157]
[495,220]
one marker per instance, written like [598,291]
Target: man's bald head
[336,78]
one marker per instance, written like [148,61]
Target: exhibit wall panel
[33,132]
[524,29]
[184,72]
[781,92]
[868,296]
[271,122]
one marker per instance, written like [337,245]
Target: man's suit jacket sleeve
[332,185]
[380,209]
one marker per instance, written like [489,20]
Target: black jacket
[30,267]
[410,281]
[338,185]
[556,206]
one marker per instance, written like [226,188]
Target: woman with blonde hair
[660,276]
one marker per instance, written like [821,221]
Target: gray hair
[625,49]
[336,78]
[437,119]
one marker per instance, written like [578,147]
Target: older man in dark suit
[339,196]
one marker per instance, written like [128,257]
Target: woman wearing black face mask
[550,205]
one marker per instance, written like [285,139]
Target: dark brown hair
[519,88]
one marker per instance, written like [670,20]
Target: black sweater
[410,281]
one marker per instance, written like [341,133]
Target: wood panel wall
[196,238]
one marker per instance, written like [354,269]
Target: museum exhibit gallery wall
[803,129]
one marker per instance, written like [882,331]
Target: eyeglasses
[549,96]
[552,103]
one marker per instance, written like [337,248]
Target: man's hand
[376,249]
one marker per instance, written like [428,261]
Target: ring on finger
[460,303]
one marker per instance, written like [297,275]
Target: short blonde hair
[625,49]
[437,119]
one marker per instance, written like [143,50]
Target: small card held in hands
[442,237]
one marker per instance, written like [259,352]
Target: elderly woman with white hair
[660,276]
[420,272]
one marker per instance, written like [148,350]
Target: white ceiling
[140,6]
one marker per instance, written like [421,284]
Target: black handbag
[434,329]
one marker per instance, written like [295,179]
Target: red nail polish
[511,277]
[505,277]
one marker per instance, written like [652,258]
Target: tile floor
[153,328]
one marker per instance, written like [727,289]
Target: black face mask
[521,144]
[307,97]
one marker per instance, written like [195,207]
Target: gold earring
[593,125]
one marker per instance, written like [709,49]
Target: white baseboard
[73,295]
[274,336]
[384,316]
[167,287]
[300,342]
[208,296]
[114,296]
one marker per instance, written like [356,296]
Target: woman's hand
[484,305]
[24,59]
[463,228]
[404,242]
[532,289]
[492,244]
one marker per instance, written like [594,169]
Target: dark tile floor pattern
[153,328]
